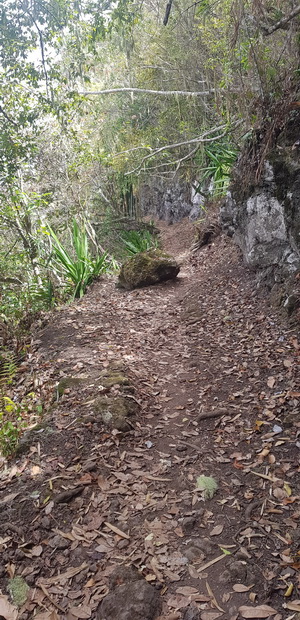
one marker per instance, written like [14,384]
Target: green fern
[138,241]
[8,369]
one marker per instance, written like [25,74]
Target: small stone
[89,466]
[46,523]
[116,411]
[238,570]
[124,574]
[123,544]
[191,613]
[131,601]
[206,546]
[189,524]
[181,448]
[58,542]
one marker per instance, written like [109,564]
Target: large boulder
[147,268]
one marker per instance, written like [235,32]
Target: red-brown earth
[214,371]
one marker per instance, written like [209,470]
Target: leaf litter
[214,370]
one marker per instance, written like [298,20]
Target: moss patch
[147,268]
[68,382]
[115,412]
[18,589]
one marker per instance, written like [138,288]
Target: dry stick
[191,445]
[42,587]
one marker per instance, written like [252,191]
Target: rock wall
[169,201]
[264,219]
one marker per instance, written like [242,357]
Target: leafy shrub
[139,241]
[11,424]
[82,268]
[219,158]
[14,418]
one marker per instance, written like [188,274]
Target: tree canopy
[98,97]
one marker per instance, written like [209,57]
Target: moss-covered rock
[147,268]
[111,378]
[116,411]
[67,383]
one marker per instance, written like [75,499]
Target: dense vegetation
[181,87]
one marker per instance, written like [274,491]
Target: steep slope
[213,372]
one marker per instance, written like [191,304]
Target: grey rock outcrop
[167,201]
[262,212]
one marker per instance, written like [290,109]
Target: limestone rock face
[169,202]
[264,216]
[147,268]
[260,227]
[131,601]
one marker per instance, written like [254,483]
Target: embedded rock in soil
[131,601]
[199,549]
[115,412]
[191,613]
[147,268]
[67,383]
[124,574]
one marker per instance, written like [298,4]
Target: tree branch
[10,120]
[198,140]
[167,93]
[167,13]
[282,22]
[10,280]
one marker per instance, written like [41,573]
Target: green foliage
[15,418]
[220,158]
[8,368]
[11,426]
[139,241]
[83,268]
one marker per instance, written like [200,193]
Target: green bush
[139,241]
[81,267]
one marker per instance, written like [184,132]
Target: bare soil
[214,371]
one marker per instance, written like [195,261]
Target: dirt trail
[215,373]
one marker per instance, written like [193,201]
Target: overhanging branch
[282,22]
[200,139]
[167,93]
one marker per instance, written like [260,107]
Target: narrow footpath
[212,371]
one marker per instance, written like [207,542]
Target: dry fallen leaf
[7,610]
[116,530]
[47,615]
[83,611]
[210,615]
[239,587]
[186,590]
[218,529]
[261,611]
[292,606]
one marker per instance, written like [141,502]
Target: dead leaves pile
[86,499]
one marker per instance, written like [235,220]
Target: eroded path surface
[214,372]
